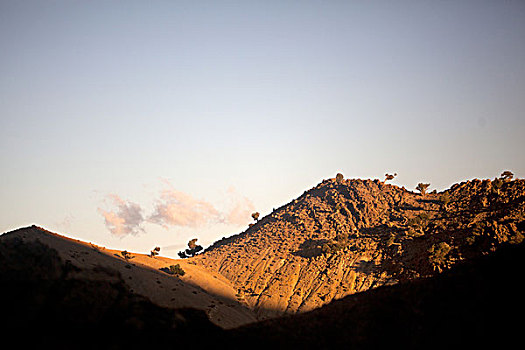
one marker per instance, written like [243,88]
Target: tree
[154,252]
[255,216]
[126,255]
[339,178]
[389,176]
[193,249]
[507,175]
[421,187]
[193,243]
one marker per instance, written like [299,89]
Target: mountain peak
[346,236]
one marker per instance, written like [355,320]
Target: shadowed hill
[47,302]
[478,304]
[344,237]
[140,274]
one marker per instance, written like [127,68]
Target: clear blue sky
[133,124]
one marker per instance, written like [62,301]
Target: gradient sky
[135,124]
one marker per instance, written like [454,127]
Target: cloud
[127,219]
[176,208]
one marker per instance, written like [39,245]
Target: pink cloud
[176,208]
[127,219]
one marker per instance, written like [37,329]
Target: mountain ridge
[347,236]
[340,238]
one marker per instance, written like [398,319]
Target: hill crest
[343,237]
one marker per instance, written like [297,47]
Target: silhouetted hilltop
[46,301]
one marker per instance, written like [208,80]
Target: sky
[136,124]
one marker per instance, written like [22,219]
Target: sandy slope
[198,288]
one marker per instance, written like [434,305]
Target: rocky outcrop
[343,237]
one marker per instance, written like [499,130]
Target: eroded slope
[344,237]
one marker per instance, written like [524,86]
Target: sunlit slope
[197,289]
[344,237]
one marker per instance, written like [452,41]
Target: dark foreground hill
[479,304]
[476,304]
[50,303]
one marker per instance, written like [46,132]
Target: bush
[421,187]
[174,270]
[445,199]
[438,255]
[127,256]
[332,247]
[507,175]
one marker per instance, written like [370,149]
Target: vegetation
[496,185]
[193,249]
[422,188]
[127,256]
[507,175]
[419,221]
[332,247]
[255,216]
[445,200]
[174,270]
[154,252]
[438,255]
[390,176]
[339,178]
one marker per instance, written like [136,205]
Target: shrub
[339,178]
[445,199]
[332,247]
[507,175]
[174,270]
[438,255]
[419,221]
[496,185]
[390,176]
[126,255]
[421,187]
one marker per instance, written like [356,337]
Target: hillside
[344,237]
[140,275]
[337,239]
[477,304]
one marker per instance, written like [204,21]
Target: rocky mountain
[345,262]
[477,304]
[347,236]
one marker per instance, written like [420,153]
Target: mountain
[355,262]
[347,236]
[477,304]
